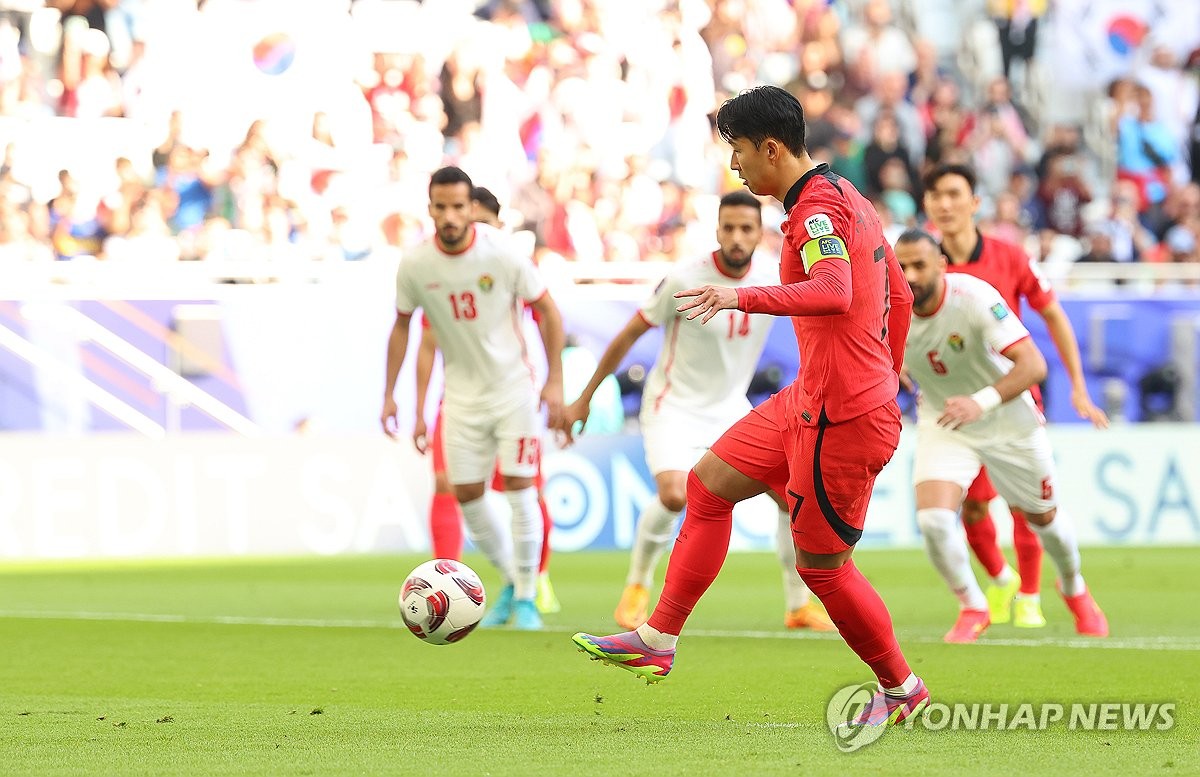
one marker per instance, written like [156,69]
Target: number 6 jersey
[957,350]
[473,301]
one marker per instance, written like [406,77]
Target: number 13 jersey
[473,301]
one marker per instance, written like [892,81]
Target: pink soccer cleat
[968,627]
[628,651]
[1089,618]
[887,710]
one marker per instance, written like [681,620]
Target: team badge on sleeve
[818,225]
[486,282]
[999,311]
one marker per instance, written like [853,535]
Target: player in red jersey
[951,203]
[445,517]
[821,441]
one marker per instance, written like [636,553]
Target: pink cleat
[968,627]
[628,651]
[887,710]
[1089,618]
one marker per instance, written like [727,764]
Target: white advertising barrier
[120,496]
[1129,485]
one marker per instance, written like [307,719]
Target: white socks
[527,541]
[905,688]
[795,592]
[947,549]
[1058,538]
[493,541]
[655,530]
[655,639]
[1006,576]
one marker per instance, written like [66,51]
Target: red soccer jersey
[846,293]
[1010,271]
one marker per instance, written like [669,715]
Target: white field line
[1182,644]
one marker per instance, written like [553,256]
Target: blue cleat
[502,610]
[527,616]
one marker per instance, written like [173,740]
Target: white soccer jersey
[957,350]
[473,301]
[705,369]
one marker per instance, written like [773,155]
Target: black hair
[916,236]
[485,198]
[741,199]
[449,175]
[760,113]
[943,170]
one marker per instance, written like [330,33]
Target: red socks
[1029,555]
[861,617]
[981,537]
[445,527]
[547,525]
[697,557]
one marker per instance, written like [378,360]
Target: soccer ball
[442,601]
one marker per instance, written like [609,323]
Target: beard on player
[736,258]
[452,234]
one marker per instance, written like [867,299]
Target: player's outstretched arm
[706,301]
[827,292]
[426,355]
[577,411]
[550,326]
[397,346]
[1063,335]
[1029,367]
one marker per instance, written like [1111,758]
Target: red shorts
[439,458]
[498,479]
[981,489]
[825,472]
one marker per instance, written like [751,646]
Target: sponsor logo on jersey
[818,225]
[955,341]
[999,311]
[829,246]
[433,285]
[486,282]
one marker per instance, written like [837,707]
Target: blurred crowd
[591,119]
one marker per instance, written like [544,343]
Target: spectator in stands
[188,188]
[1017,24]
[876,46]
[888,95]
[1145,149]
[116,207]
[549,103]
[1063,194]
[884,147]
[1100,244]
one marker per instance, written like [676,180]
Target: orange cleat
[810,616]
[631,611]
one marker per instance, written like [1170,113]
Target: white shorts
[1021,468]
[475,440]
[675,440]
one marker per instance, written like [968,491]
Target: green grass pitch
[302,667]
